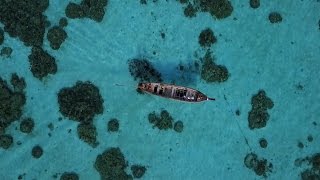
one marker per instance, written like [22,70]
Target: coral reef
[275,17]
[56,36]
[313,169]
[190,11]
[63,22]
[259,165]
[143,70]
[263,143]
[207,38]
[27,125]
[111,164]
[80,102]
[37,151]
[11,102]
[93,9]
[258,116]
[24,19]
[6,52]
[219,9]
[1,36]
[87,132]
[18,83]
[178,126]
[211,72]
[69,176]
[6,141]
[162,122]
[254,4]
[41,63]
[138,170]
[113,125]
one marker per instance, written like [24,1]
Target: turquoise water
[282,59]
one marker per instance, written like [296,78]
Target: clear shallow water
[257,54]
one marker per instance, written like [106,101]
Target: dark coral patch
[211,72]
[143,1]
[41,63]
[74,10]
[27,125]
[258,116]
[1,36]
[162,122]
[261,102]
[313,171]
[113,125]
[138,170]
[263,143]
[63,22]
[87,132]
[56,36]
[218,8]
[275,17]
[259,165]
[190,11]
[11,102]
[69,176]
[17,82]
[254,3]
[24,19]
[6,141]
[310,138]
[111,164]
[183,1]
[178,126]
[80,102]
[6,52]
[37,151]
[143,71]
[207,38]
[93,9]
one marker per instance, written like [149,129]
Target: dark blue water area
[69,105]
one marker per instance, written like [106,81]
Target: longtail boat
[170,91]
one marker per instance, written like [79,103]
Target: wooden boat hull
[173,92]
